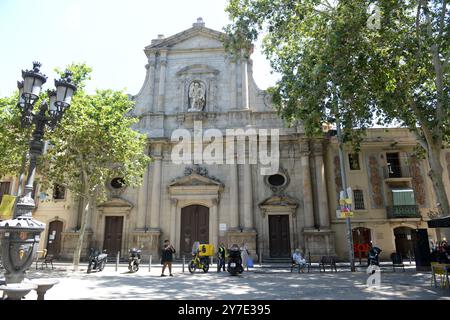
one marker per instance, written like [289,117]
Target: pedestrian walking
[167,257]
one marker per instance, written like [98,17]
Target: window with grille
[358,198]
[59,192]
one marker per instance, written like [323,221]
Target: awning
[439,223]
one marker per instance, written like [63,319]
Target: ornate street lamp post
[20,236]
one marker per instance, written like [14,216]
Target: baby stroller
[234,260]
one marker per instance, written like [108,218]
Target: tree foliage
[13,138]
[334,64]
[93,144]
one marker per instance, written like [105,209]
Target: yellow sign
[345,201]
[7,207]
[348,214]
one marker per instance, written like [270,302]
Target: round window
[276,180]
[117,183]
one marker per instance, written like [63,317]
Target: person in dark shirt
[167,257]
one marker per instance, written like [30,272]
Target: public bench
[327,261]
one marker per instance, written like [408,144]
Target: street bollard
[117,260]
[184,261]
[150,263]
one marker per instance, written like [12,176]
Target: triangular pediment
[193,38]
[279,201]
[117,203]
[194,179]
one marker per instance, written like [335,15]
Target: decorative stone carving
[197,96]
[375,182]
[198,170]
[417,181]
[278,188]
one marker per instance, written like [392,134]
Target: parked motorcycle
[134,259]
[97,260]
[234,260]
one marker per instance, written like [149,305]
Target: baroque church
[191,80]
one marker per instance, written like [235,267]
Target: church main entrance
[194,227]
[279,239]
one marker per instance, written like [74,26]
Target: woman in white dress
[244,256]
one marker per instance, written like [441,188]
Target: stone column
[214,223]
[156,188]
[234,197]
[162,79]
[233,104]
[324,216]
[244,73]
[141,221]
[248,197]
[308,206]
[173,220]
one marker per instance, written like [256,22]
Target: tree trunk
[86,215]
[84,219]
[436,175]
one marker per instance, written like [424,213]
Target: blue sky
[109,35]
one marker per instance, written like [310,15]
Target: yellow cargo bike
[201,254]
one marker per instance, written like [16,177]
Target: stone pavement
[259,283]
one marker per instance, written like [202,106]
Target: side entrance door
[113,235]
[279,240]
[55,229]
[194,227]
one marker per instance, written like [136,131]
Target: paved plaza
[259,283]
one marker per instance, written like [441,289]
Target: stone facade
[190,79]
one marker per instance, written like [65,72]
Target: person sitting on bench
[298,260]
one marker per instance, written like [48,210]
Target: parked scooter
[134,259]
[97,260]
[234,260]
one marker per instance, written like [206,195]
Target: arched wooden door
[194,227]
[361,242]
[55,229]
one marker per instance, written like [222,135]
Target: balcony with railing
[396,172]
[403,211]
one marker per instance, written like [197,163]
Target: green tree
[335,64]
[13,138]
[94,143]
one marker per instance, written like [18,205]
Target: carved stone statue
[197,96]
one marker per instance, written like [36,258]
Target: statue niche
[197,96]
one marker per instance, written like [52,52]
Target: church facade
[194,89]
